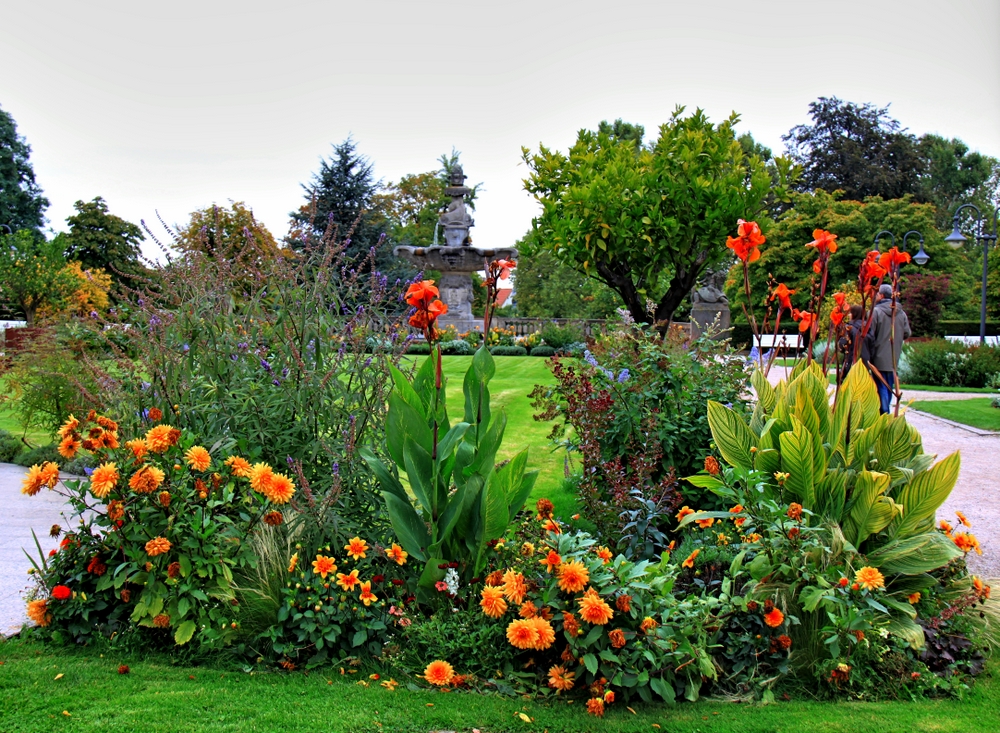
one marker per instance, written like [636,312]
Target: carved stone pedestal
[703,315]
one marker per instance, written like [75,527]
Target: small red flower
[61,593]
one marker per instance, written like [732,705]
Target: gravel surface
[21,515]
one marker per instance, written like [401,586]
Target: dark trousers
[885,390]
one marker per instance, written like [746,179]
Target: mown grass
[10,423]
[160,696]
[977,411]
[933,388]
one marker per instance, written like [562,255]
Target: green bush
[419,349]
[470,641]
[939,362]
[40,455]
[509,351]
[559,337]
[967,328]
[458,347]
[543,350]
[79,465]
[10,447]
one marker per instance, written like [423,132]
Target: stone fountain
[457,259]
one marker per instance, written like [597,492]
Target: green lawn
[515,378]
[977,411]
[38,683]
[932,388]
[9,423]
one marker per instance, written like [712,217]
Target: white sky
[174,106]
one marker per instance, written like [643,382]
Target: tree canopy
[22,205]
[33,273]
[98,239]
[228,232]
[647,220]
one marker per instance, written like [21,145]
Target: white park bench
[790,341]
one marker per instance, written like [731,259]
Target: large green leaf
[765,392]
[922,496]
[920,553]
[864,392]
[386,480]
[496,516]
[420,471]
[521,493]
[797,462]
[407,525]
[184,633]
[871,510]
[731,435]
[403,422]
[406,391]
[908,630]
[831,495]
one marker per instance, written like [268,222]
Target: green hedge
[509,351]
[967,328]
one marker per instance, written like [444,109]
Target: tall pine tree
[22,205]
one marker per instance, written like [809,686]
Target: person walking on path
[887,334]
[848,342]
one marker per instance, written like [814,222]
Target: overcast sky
[173,106]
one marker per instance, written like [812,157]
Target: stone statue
[455,219]
[709,304]
[711,290]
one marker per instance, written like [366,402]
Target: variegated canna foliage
[458,500]
[863,474]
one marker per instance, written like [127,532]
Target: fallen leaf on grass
[525,718]
[66,713]
[430,705]
[59,676]
[631,710]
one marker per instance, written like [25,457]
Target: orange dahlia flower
[293,561]
[356,548]
[967,541]
[570,625]
[551,561]
[103,479]
[514,587]
[593,609]
[138,447]
[155,414]
[869,578]
[239,466]
[492,602]
[261,475]
[595,705]
[367,597]
[347,581]
[439,673]
[624,603]
[617,637]
[161,621]
[68,447]
[116,510]
[38,611]
[397,554]
[961,518]
[157,546]
[545,634]
[689,562]
[712,467]
[165,499]
[522,633]
[573,576]
[35,479]
[528,610]
[146,480]
[605,554]
[161,437]
[648,624]
[560,679]
[69,427]
[279,489]
[198,458]
[324,565]
[774,618]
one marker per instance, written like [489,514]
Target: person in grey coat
[887,337]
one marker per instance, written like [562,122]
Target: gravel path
[21,514]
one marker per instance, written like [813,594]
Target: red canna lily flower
[823,241]
[505,267]
[837,316]
[420,294]
[783,294]
[805,319]
[893,258]
[748,239]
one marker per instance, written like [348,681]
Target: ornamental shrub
[509,351]
[939,362]
[457,347]
[10,447]
[165,523]
[41,454]
[559,337]
[418,349]
[270,353]
[543,350]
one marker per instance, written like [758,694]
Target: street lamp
[956,240]
[921,257]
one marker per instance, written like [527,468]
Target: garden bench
[782,340]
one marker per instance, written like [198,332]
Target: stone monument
[457,259]
[708,303]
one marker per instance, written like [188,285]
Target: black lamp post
[987,239]
[921,257]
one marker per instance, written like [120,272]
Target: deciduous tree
[98,239]
[33,273]
[22,205]
[647,221]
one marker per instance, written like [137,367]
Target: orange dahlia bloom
[138,447]
[495,578]
[198,458]
[794,511]
[686,510]
[551,561]
[748,238]
[560,679]
[261,475]
[103,479]
[869,578]
[522,634]
[116,510]
[33,482]
[439,673]
[38,611]
[347,581]
[605,554]
[593,609]
[279,489]
[161,437]
[689,563]
[324,565]
[544,507]
[570,625]
[624,603]
[68,447]
[146,480]
[617,637]
[273,519]
[945,527]
[367,597]
[551,525]
[967,541]
[595,705]
[712,466]
[914,598]
[514,588]
[161,621]
[528,610]
[50,474]
[239,466]
[648,624]
[356,548]
[546,635]
[69,427]
[774,618]
[293,561]
[573,576]
[165,499]
[961,518]
[158,546]
[492,602]
[397,554]
[784,296]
